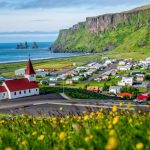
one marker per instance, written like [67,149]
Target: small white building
[123,68]
[12,89]
[76,78]
[20,72]
[54,79]
[126,81]
[122,63]
[115,89]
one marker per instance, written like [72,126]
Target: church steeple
[29,72]
[29,69]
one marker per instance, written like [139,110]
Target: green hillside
[132,35]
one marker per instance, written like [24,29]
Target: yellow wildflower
[112,133]
[110,126]
[139,146]
[24,142]
[2,121]
[8,148]
[115,120]
[111,144]
[34,133]
[62,135]
[121,104]
[114,108]
[128,105]
[41,138]
[130,120]
[86,118]
[60,108]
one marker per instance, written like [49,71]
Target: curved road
[50,104]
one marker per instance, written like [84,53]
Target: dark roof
[29,70]
[20,84]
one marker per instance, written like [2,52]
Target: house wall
[23,93]
[3,95]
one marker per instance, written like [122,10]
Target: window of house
[3,94]
[19,92]
[14,93]
[29,91]
[36,89]
[24,92]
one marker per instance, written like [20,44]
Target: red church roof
[29,69]
[2,89]
[20,84]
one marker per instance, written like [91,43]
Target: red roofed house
[17,88]
[124,95]
[142,97]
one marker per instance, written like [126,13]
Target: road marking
[83,105]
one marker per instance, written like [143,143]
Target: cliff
[107,32]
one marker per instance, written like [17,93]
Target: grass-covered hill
[121,32]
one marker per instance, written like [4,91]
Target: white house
[12,89]
[127,67]
[76,78]
[20,72]
[121,63]
[115,89]
[126,81]
[54,79]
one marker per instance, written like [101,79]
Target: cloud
[15,4]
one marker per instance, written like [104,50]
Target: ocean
[9,53]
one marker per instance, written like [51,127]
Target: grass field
[100,130]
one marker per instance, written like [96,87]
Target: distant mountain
[126,31]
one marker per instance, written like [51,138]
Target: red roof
[124,94]
[143,96]
[2,89]
[29,70]
[20,84]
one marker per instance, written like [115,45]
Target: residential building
[123,68]
[94,89]
[126,81]
[125,94]
[115,89]
[69,81]
[20,72]
[76,78]
[139,77]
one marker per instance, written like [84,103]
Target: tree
[147,78]
[105,87]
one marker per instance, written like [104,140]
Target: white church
[16,88]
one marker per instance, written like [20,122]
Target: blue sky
[52,15]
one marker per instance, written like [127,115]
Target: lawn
[100,130]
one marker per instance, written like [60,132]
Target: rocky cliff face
[110,21]
[80,37]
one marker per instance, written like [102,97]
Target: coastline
[42,59]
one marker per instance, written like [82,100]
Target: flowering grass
[122,130]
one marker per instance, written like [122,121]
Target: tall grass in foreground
[122,130]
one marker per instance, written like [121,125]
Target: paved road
[112,66]
[46,104]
